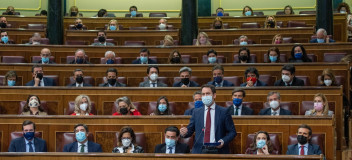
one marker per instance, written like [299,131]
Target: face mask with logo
[123,111]
[248,13]
[261,143]
[133,13]
[212,59]
[170,142]
[112,28]
[101,39]
[33,103]
[112,81]
[5,39]
[237,102]
[243,43]
[110,61]
[273,58]
[79,79]
[126,142]
[79,60]
[302,139]
[153,77]
[185,81]
[162,26]
[80,136]
[220,14]
[28,135]
[253,79]
[207,100]
[320,40]
[45,59]
[144,59]
[274,104]
[11,82]
[83,106]
[218,79]
[162,107]
[328,82]
[176,60]
[318,106]
[298,55]
[198,104]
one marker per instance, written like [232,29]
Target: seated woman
[273,55]
[270,22]
[162,107]
[247,11]
[288,10]
[298,54]
[33,107]
[321,106]
[74,12]
[277,39]
[345,8]
[217,24]
[10,78]
[203,39]
[243,55]
[261,144]
[112,25]
[168,41]
[126,142]
[125,107]
[327,78]
[83,106]
[175,57]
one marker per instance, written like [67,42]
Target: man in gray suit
[152,72]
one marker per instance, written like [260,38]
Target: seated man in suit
[218,76]
[237,108]
[5,38]
[274,102]
[322,37]
[45,54]
[78,77]
[144,57]
[185,75]
[288,77]
[304,146]
[80,57]
[197,99]
[171,145]
[133,11]
[110,57]
[82,145]
[101,35]
[152,72]
[35,39]
[252,76]
[111,75]
[218,128]
[28,143]
[39,79]
[78,24]
[3,22]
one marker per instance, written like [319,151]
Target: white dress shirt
[172,150]
[79,85]
[41,82]
[85,147]
[212,115]
[277,112]
[305,149]
[27,145]
[151,83]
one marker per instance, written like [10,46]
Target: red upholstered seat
[188,141]
[234,79]
[186,59]
[305,79]
[250,25]
[117,60]
[287,40]
[296,24]
[63,138]
[71,108]
[140,140]
[13,59]
[274,139]
[252,60]
[220,59]
[157,15]
[152,107]
[23,103]
[36,59]
[268,79]
[75,42]
[282,58]
[333,57]
[86,79]
[54,77]
[134,43]
[136,104]
[308,105]
[138,28]
[318,139]
[312,57]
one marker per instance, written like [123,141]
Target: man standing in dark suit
[152,81]
[28,143]
[274,102]
[80,57]
[111,75]
[197,100]
[78,77]
[144,57]
[82,145]
[171,145]
[39,79]
[304,145]
[218,78]
[252,78]
[288,77]
[185,75]
[238,108]
[45,55]
[213,125]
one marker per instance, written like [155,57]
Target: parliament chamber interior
[271,79]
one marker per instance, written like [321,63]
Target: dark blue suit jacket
[316,41]
[267,111]
[180,148]
[225,84]
[19,145]
[313,149]
[245,110]
[259,83]
[92,147]
[224,129]
[47,82]
[189,112]
[192,84]
[138,61]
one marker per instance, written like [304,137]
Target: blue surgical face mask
[112,28]
[110,61]
[212,59]
[28,135]
[320,40]
[133,13]
[162,107]
[207,100]
[81,136]
[45,59]
[5,39]
[237,102]
[273,58]
[298,55]
[220,14]
[248,13]
[198,104]
[218,79]
[261,143]
[144,59]
[243,43]
[170,142]
[11,83]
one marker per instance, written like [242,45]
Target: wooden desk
[104,128]
[21,36]
[150,37]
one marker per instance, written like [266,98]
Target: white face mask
[33,103]
[126,142]
[162,26]
[328,82]
[153,77]
[207,100]
[83,106]
[286,78]
[274,104]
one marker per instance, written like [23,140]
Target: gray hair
[109,52]
[272,93]
[243,36]
[185,69]
[322,30]
[80,50]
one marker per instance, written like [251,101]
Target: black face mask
[10,13]
[79,26]
[73,14]
[111,81]
[243,58]
[271,24]
[101,39]
[217,27]
[79,79]
[176,60]
[3,25]
[185,81]
[123,111]
[40,76]
[302,139]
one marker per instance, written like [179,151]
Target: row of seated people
[128,141]
[152,79]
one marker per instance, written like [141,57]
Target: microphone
[203,132]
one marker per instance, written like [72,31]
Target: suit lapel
[216,120]
[75,146]
[36,145]
[269,111]
[310,149]
[23,148]
[232,110]
[163,148]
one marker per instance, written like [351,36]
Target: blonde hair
[168,40]
[113,20]
[127,101]
[78,101]
[205,35]
[278,35]
[266,24]
[325,103]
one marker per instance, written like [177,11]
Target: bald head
[45,52]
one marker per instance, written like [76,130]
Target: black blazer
[47,82]
[138,61]
[118,84]
[50,62]
[267,111]
[92,147]
[19,145]
[74,62]
[84,85]
[245,110]
[180,148]
[295,82]
[192,84]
